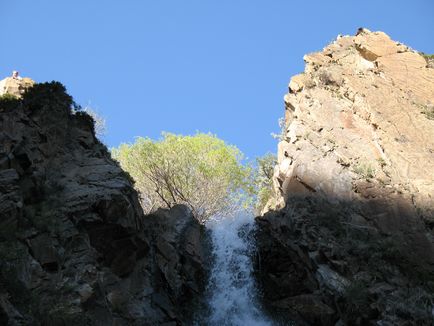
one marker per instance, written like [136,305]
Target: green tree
[200,171]
[263,180]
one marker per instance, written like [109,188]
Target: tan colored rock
[355,188]
[316,59]
[408,72]
[362,117]
[298,82]
[15,86]
[374,45]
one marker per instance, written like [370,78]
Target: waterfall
[231,292]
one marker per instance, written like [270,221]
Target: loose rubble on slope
[75,246]
[348,239]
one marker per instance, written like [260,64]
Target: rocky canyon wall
[348,239]
[75,246]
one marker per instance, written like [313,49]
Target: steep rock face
[361,103]
[349,235]
[75,246]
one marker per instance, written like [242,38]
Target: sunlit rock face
[354,183]
[15,86]
[75,246]
[362,107]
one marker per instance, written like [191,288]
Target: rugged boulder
[349,235]
[15,86]
[75,246]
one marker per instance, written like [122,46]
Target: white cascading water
[232,295]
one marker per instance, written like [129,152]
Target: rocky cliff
[15,86]
[349,237]
[75,246]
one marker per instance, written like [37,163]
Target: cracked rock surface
[348,237]
[75,246]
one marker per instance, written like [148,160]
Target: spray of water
[232,295]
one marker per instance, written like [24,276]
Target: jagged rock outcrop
[363,103]
[349,237]
[75,246]
[15,86]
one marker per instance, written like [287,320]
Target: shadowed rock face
[75,246]
[349,235]
[320,262]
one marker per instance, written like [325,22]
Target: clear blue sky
[210,65]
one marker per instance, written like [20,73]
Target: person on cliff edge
[16,75]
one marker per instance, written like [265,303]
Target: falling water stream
[231,291]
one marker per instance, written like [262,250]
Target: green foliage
[427,56]
[263,180]
[48,95]
[381,162]
[8,97]
[365,170]
[426,109]
[9,101]
[200,171]
[429,112]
